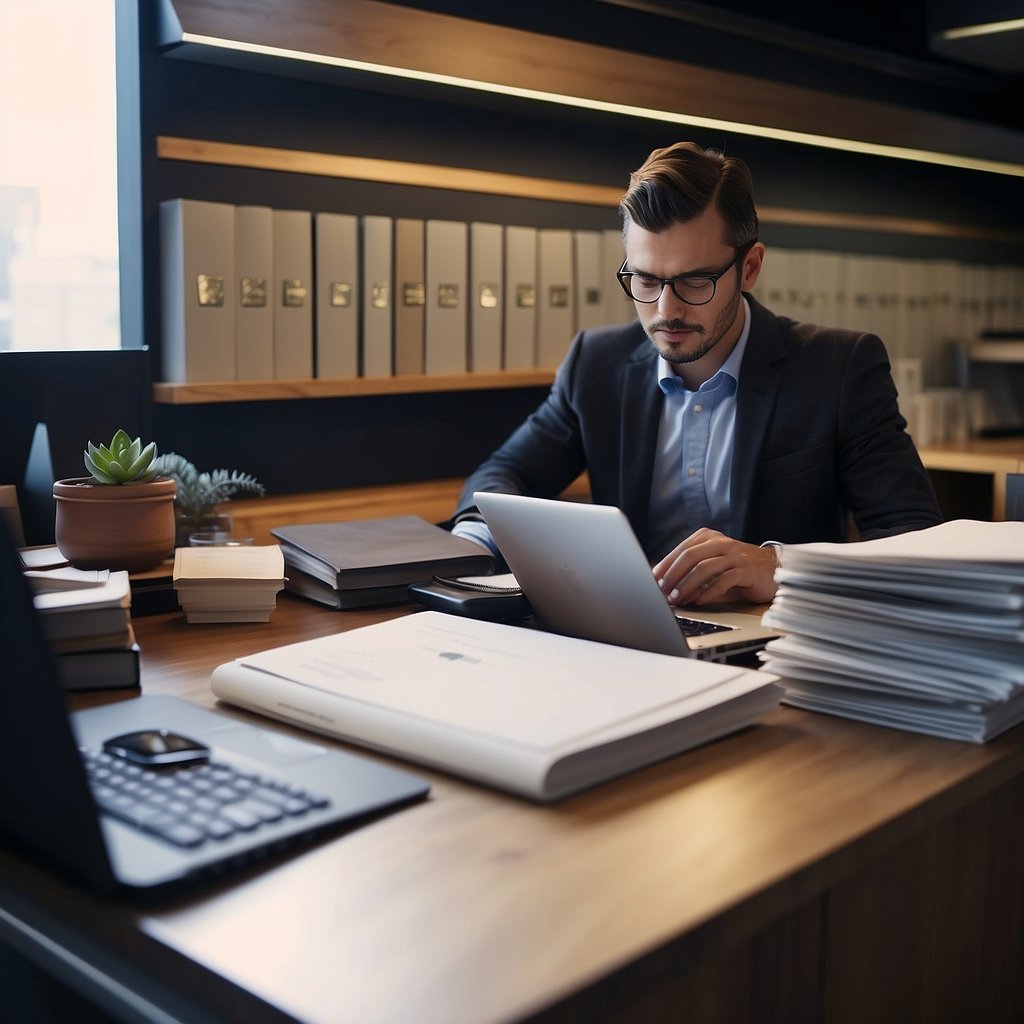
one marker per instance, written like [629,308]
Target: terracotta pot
[117,526]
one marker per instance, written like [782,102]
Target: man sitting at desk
[715,425]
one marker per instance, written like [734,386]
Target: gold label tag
[592,296]
[211,289]
[341,293]
[448,296]
[526,296]
[379,295]
[253,291]
[293,292]
[488,296]
[414,293]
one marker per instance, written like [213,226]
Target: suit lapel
[760,376]
[641,412]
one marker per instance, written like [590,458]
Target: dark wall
[302,445]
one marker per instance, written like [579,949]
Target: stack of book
[86,615]
[373,561]
[922,631]
[229,583]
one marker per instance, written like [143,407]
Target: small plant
[123,461]
[198,493]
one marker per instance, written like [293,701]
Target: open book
[535,713]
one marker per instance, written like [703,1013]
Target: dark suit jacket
[818,435]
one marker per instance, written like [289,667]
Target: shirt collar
[669,382]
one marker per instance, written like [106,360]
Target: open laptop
[585,574]
[283,790]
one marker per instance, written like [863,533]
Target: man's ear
[752,263]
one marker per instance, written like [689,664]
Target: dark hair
[679,182]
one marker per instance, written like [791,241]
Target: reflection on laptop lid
[585,574]
[49,804]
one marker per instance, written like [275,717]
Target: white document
[378,285]
[520,298]
[337,295]
[447,281]
[293,295]
[556,302]
[410,295]
[254,275]
[197,272]
[591,280]
[536,713]
[486,297]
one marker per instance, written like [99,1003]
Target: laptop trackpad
[269,747]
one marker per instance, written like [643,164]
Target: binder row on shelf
[254,293]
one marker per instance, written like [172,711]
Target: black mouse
[157,747]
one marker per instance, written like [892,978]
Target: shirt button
[692,471]
[698,408]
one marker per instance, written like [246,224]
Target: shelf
[997,352]
[279,390]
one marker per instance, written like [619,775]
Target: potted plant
[121,516]
[199,494]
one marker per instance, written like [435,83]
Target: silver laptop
[585,574]
[154,790]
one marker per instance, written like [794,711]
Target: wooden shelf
[279,390]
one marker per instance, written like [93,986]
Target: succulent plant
[123,461]
[199,492]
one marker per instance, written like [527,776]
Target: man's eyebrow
[699,272]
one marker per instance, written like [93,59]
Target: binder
[293,294]
[197,268]
[589,279]
[447,279]
[520,298]
[555,314]
[337,295]
[619,308]
[377,268]
[486,295]
[410,295]
[254,272]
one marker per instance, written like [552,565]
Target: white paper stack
[231,583]
[923,631]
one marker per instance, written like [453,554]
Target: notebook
[283,790]
[585,574]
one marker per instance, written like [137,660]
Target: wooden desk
[808,869]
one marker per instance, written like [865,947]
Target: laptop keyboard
[194,804]
[700,627]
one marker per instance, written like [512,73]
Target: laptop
[584,573]
[274,790]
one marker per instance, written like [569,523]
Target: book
[107,669]
[197,271]
[302,584]
[534,713]
[293,294]
[254,275]
[87,617]
[923,631]
[337,295]
[228,583]
[388,552]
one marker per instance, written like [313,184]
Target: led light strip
[990,28]
[627,110]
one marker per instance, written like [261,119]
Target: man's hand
[710,568]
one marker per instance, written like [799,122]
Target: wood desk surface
[476,906]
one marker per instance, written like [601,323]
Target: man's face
[695,339]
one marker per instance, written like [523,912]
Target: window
[58,178]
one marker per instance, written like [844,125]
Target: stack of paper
[86,614]
[236,583]
[923,631]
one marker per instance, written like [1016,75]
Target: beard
[708,337]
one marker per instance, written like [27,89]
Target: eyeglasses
[693,289]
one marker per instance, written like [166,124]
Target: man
[721,430]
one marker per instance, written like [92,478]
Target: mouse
[157,747]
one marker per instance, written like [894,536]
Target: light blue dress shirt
[693,465]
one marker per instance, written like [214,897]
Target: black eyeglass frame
[623,276]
